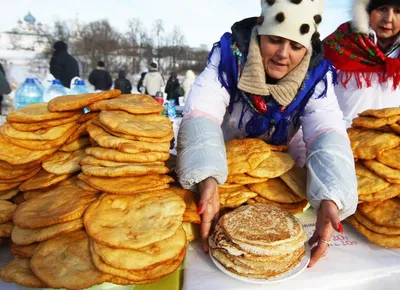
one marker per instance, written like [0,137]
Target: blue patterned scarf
[273,124]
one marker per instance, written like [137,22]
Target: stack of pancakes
[48,214]
[376,149]
[258,241]
[379,222]
[34,137]
[137,237]
[50,240]
[131,142]
[262,173]
[191,219]
[31,135]
[6,225]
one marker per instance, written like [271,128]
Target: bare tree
[99,41]
[158,28]
[137,39]
[196,59]
[178,41]
[62,30]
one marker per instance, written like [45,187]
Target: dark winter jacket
[172,88]
[62,65]
[100,79]
[121,83]
[4,85]
[140,84]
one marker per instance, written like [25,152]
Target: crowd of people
[65,67]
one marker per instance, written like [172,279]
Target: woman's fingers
[330,213]
[207,190]
[314,239]
[318,252]
[208,207]
[327,215]
[206,222]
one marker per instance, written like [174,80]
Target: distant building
[27,35]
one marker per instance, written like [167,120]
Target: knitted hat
[296,20]
[361,11]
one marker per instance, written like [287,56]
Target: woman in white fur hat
[366,52]
[265,80]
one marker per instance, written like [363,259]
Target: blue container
[171,109]
[28,93]
[56,89]
[79,88]
[39,84]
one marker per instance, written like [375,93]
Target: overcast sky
[201,21]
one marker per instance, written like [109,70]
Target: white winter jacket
[153,82]
[187,83]
[329,163]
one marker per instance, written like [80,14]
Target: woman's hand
[208,207]
[327,221]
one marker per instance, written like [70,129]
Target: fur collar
[360,16]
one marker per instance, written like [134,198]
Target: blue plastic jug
[56,89]
[79,88]
[171,109]
[39,84]
[28,93]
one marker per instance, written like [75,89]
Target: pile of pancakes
[262,173]
[258,241]
[56,241]
[137,237]
[376,149]
[6,213]
[131,142]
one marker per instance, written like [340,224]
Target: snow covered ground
[21,64]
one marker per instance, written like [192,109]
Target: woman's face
[385,21]
[280,55]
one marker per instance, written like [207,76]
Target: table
[352,263]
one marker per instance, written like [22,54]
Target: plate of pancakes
[259,244]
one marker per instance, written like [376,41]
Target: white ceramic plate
[285,276]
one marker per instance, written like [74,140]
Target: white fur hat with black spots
[296,20]
[361,11]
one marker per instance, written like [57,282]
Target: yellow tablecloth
[171,282]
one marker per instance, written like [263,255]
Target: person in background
[140,88]
[100,78]
[153,81]
[122,83]
[4,85]
[62,65]
[187,83]
[267,79]
[173,88]
[366,53]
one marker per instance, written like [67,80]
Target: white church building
[20,50]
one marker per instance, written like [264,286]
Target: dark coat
[171,89]
[100,79]
[4,85]
[121,83]
[63,66]
[140,83]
